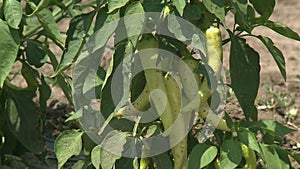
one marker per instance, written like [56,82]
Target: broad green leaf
[47,20]
[231,154]
[110,150]
[67,144]
[264,8]
[135,23]
[248,138]
[201,156]
[107,104]
[9,43]
[244,72]
[96,156]
[276,53]
[163,161]
[125,163]
[42,4]
[283,156]
[180,28]
[153,5]
[216,7]
[282,29]
[240,11]
[180,5]
[192,12]
[45,93]
[13,13]
[30,75]
[23,120]
[116,4]
[275,127]
[103,18]
[270,157]
[76,34]
[78,165]
[35,55]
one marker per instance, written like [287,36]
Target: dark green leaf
[153,5]
[180,28]
[264,8]
[275,127]
[109,151]
[23,120]
[295,156]
[282,29]
[45,93]
[201,156]
[192,12]
[76,34]
[180,5]
[276,53]
[30,75]
[13,13]
[42,4]
[248,138]
[47,20]
[135,23]
[240,11]
[116,4]
[9,43]
[231,154]
[103,18]
[283,156]
[244,71]
[163,161]
[67,144]
[216,7]
[270,157]
[35,55]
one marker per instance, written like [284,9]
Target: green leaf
[47,20]
[276,53]
[103,18]
[13,13]
[282,29]
[216,7]
[248,138]
[275,127]
[135,23]
[283,156]
[42,4]
[180,5]
[78,165]
[201,156]
[76,34]
[110,150]
[35,55]
[67,144]
[180,28]
[23,120]
[30,75]
[240,11]
[295,156]
[163,161]
[244,72]
[270,157]
[264,8]
[116,4]
[45,93]
[192,12]
[231,154]
[9,43]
